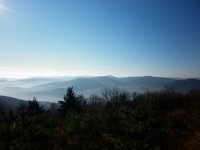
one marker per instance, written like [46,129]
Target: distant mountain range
[53,89]
[9,103]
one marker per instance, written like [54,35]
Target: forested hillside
[118,120]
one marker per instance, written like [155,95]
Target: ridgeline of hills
[53,89]
[10,103]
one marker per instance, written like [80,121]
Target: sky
[99,37]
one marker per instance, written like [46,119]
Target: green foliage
[152,121]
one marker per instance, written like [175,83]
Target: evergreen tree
[34,105]
[70,101]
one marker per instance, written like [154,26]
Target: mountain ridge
[53,91]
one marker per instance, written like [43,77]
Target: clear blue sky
[100,37]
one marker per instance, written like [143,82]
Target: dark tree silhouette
[80,103]
[11,116]
[70,101]
[34,105]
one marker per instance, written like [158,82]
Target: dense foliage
[163,120]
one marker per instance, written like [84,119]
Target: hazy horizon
[25,73]
[96,38]
[12,78]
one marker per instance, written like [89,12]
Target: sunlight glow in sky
[99,37]
[2,8]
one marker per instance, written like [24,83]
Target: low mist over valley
[53,89]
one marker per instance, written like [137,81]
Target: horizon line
[90,76]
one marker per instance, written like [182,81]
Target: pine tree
[70,101]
